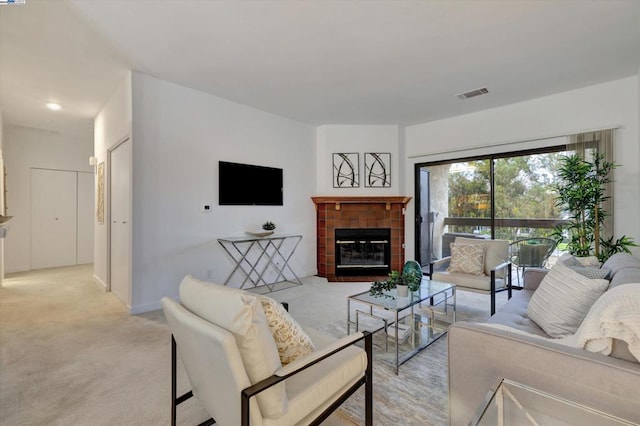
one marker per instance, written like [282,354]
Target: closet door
[120,206]
[53,218]
[86,217]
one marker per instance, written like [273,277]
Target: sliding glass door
[506,196]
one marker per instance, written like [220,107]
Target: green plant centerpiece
[268,226]
[410,278]
[581,191]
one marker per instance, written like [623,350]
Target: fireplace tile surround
[357,212]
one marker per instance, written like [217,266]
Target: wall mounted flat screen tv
[248,185]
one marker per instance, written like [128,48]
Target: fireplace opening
[362,251]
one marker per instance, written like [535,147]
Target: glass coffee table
[421,318]
[511,403]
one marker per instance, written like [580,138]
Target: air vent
[472,93]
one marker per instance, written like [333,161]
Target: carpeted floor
[70,354]
[418,395]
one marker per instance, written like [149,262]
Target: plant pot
[402,290]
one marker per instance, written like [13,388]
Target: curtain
[585,145]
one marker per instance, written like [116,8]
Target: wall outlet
[205,208]
[209,274]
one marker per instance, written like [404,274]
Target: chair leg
[368,411]
[175,400]
[173,381]
[493,292]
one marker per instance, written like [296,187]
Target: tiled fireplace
[361,214]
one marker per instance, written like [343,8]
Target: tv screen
[248,185]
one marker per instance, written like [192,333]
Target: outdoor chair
[233,363]
[530,253]
[476,265]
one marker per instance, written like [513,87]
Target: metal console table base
[255,256]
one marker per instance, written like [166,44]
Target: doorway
[61,217]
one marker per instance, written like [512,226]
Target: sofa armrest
[479,355]
[533,277]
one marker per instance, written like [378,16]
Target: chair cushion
[290,338]
[471,282]
[497,252]
[467,259]
[240,313]
[563,299]
[325,381]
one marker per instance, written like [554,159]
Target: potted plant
[268,226]
[581,191]
[404,283]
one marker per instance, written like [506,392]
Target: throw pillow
[290,338]
[593,273]
[467,259]
[569,260]
[563,299]
[590,261]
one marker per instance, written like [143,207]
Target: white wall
[1,200]
[360,139]
[112,125]
[179,135]
[25,148]
[613,103]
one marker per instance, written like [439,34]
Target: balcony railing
[503,222]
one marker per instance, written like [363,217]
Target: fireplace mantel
[358,212]
[338,201]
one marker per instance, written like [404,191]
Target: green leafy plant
[581,191]
[412,279]
[268,226]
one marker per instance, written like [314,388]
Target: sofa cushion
[514,314]
[625,276]
[563,299]
[290,338]
[497,252]
[467,259]
[621,261]
[240,313]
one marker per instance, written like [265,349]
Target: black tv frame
[242,184]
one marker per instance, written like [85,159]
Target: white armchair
[493,275]
[232,362]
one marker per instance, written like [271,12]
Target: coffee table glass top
[392,302]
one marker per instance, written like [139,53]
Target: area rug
[418,395]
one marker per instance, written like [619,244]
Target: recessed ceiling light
[54,106]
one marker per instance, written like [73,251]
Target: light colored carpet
[70,354]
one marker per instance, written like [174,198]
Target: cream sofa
[480,354]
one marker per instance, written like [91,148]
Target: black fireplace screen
[363,251]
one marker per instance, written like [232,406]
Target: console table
[258,259]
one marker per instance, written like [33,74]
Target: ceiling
[318,62]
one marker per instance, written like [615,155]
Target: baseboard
[99,282]
[140,309]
